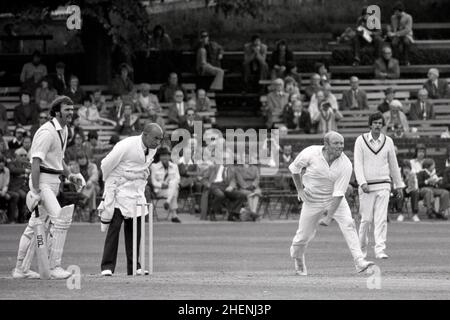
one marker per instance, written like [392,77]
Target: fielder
[125,172]
[47,165]
[321,175]
[375,164]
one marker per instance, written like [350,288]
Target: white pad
[57,236]
[26,249]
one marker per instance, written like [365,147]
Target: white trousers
[307,225]
[373,207]
[171,194]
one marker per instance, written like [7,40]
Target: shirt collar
[57,124]
[371,138]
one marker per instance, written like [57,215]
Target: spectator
[388,97]
[313,87]
[401,32]
[3,118]
[43,117]
[247,179]
[286,156]
[429,184]
[364,37]
[89,114]
[209,56]
[148,100]
[386,67]
[122,84]
[74,91]
[19,170]
[279,60]
[420,154]
[116,111]
[74,128]
[76,148]
[91,144]
[395,117]
[99,100]
[295,116]
[292,71]
[255,53]
[44,106]
[159,54]
[45,91]
[177,110]
[326,96]
[17,141]
[276,100]
[355,98]
[165,181]
[159,40]
[446,133]
[322,71]
[128,124]
[290,86]
[202,102]
[422,109]
[152,116]
[4,185]
[411,190]
[89,171]
[191,118]
[168,89]
[327,115]
[26,146]
[437,88]
[26,113]
[33,72]
[60,79]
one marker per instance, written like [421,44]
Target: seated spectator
[247,180]
[19,170]
[398,132]
[290,86]
[116,110]
[188,122]
[45,91]
[91,144]
[148,100]
[99,100]
[26,113]
[152,116]
[209,56]
[159,40]
[255,65]
[73,129]
[17,141]
[76,148]
[400,32]
[446,133]
[122,83]
[292,71]
[386,67]
[43,117]
[430,187]
[295,116]
[165,182]
[59,80]
[327,116]
[32,73]
[89,114]
[177,110]
[26,146]
[74,91]
[3,118]
[128,124]
[411,190]
[190,173]
[365,37]
[422,109]
[395,117]
[202,102]
[326,96]
[4,186]
[286,156]
[279,60]
[313,87]
[420,154]
[322,71]
[355,98]
[44,106]
[436,88]
[168,89]
[89,171]
[389,96]
[276,100]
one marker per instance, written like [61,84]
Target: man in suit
[386,67]
[355,98]
[165,181]
[188,122]
[437,88]
[59,79]
[74,91]
[422,109]
[389,95]
[26,113]
[177,110]
[255,53]
[400,32]
[220,183]
[276,101]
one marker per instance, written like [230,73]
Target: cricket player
[125,172]
[375,163]
[47,165]
[321,175]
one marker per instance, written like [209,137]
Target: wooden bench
[421,44]
[412,69]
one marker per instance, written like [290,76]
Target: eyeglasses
[42,117]
[190,114]
[205,35]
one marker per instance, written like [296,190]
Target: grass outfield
[225,260]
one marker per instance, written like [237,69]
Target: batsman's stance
[47,164]
[321,175]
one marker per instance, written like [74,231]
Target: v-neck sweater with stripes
[376,166]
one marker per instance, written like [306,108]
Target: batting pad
[58,233]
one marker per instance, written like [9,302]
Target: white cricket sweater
[376,167]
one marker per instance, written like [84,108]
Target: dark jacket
[415,113]
[441,92]
[446,179]
[26,114]
[303,122]
[361,100]
[392,69]
[275,58]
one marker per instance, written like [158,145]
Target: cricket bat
[41,248]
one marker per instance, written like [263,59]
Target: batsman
[47,165]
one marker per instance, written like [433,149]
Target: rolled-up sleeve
[42,142]
[300,162]
[341,184]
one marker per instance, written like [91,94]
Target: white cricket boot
[20,274]
[59,273]
[362,265]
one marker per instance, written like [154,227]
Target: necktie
[146,152]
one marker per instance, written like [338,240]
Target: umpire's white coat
[125,172]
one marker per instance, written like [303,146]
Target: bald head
[333,144]
[152,135]
[332,136]
[152,128]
